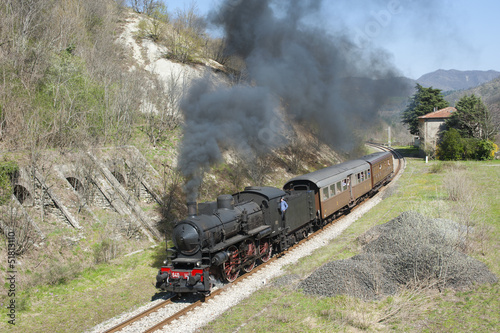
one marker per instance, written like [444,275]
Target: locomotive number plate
[178,275]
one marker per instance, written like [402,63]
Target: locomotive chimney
[192,208]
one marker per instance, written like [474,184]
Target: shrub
[451,147]
[105,251]
[454,147]
[458,185]
[485,150]
[8,170]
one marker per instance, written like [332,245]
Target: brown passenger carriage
[339,187]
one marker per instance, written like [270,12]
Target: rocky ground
[408,251]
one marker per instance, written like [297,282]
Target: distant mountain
[453,79]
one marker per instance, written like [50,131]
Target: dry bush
[237,174]
[84,170]
[297,153]
[107,246]
[406,305]
[105,250]
[18,229]
[161,110]
[259,168]
[459,186]
[467,209]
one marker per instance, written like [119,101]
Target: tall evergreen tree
[424,101]
[472,119]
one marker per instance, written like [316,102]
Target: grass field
[127,282]
[93,297]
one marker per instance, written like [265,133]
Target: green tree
[159,17]
[187,37]
[472,119]
[451,146]
[424,101]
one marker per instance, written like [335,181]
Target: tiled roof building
[431,126]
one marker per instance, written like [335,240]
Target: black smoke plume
[322,80]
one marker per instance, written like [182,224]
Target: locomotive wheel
[265,250]
[248,250]
[229,271]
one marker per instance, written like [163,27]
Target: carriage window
[339,187]
[345,183]
[325,193]
[332,190]
[368,174]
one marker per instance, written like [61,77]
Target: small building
[432,125]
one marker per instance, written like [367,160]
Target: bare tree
[17,229]
[84,171]
[144,6]
[159,17]
[259,168]
[296,153]
[237,174]
[216,49]
[124,104]
[162,107]
[173,200]
[186,38]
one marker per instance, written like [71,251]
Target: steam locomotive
[220,239]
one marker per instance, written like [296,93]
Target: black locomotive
[220,239]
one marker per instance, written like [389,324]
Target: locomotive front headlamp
[198,263]
[165,262]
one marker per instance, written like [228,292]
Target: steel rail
[141,315]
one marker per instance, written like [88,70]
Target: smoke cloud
[322,80]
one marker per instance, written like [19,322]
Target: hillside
[453,79]
[489,93]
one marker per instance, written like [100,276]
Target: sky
[420,36]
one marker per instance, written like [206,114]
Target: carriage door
[351,179]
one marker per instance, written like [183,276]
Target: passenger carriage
[335,188]
[382,167]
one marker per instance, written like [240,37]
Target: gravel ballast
[410,250]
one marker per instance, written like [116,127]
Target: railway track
[400,163]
